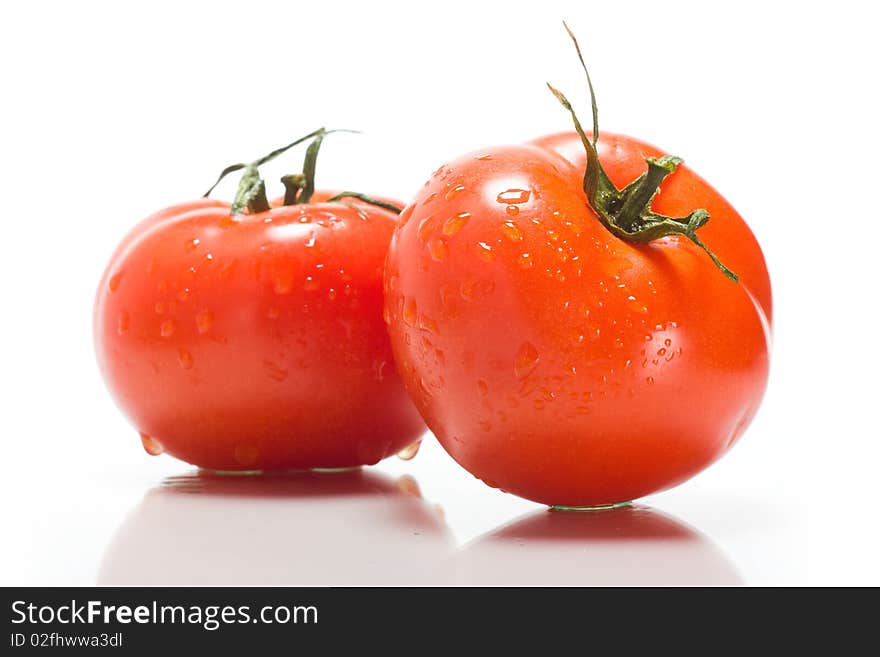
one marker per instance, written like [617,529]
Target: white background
[113,110]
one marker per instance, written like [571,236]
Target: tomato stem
[627,212]
[299,188]
[292,186]
[366,199]
[266,158]
[251,193]
[309,164]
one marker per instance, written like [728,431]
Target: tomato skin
[554,360]
[255,342]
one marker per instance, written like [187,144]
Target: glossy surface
[256,342]
[630,546]
[557,362]
[350,528]
[371,529]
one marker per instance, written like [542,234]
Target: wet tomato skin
[256,342]
[554,360]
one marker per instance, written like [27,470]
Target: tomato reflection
[633,545]
[342,528]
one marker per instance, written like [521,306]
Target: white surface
[111,111]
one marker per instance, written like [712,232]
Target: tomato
[564,341]
[255,341]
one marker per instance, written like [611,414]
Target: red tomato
[553,358]
[255,341]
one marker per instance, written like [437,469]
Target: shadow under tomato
[305,528]
[627,546]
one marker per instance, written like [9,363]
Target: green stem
[366,199]
[266,158]
[637,197]
[627,213]
[293,184]
[298,188]
[251,194]
[309,164]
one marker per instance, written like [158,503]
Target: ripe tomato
[562,340]
[255,341]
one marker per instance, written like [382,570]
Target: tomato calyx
[299,188]
[627,212]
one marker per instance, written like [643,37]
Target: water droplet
[408,452]
[185,359]
[311,284]
[122,323]
[183,295]
[115,280]
[661,351]
[455,223]
[429,198]
[485,251]
[483,386]
[166,329]
[190,245]
[484,157]
[283,282]
[410,312]
[526,360]
[525,261]
[468,289]
[209,256]
[667,342]
[425,228]
[511,231]
[513,210]
[650,380]
[405,215]
[204,321]
[423,384]
[455,191]
[438,249]
[514,196]
[274,371]
[151,446]
[312,239]
[331,294]
[427,324]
